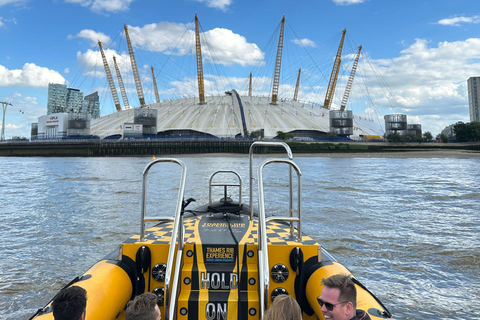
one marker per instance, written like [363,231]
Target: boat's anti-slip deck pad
[213,229]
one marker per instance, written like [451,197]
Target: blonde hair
[284,307]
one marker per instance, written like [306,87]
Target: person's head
[70,304]
[339,297]
[284,307]
[143,307]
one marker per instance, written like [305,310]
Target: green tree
[395,137]
[284,135]
[412,137]
[443,137]
[467,131]
[427,135]
[257,134]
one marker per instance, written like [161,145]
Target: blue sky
[416,58]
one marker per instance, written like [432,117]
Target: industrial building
[63,125]
[397,124]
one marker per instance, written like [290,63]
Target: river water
[407,227]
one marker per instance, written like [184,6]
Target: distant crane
[136,75]
[110,79]
[4,106]
[201,88]
[334,76]
[278,64]
[295,95]
[155,88]
[350,81]
[126,105]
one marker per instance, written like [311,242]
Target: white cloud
[167,37]
[93,62]
[30,76]
[231,48]
[67,70]
[104,6]
[16,2]
[93,36]
[224,46]
[427,81]
[347,2]
[457,21]
[3,21]
[304,42]
[217,4]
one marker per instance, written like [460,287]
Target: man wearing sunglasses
[339,299]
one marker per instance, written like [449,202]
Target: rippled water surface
[408,228]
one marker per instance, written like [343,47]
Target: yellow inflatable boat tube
[108,288]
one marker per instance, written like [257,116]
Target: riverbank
[120,148]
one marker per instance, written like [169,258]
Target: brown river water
[408,227]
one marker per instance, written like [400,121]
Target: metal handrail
[271,144]
[263,264]
[225,186]
[291,220]
[177,231]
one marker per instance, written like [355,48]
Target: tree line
[466,132]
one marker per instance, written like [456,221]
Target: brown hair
[344,283]
[284,307]
[142,307]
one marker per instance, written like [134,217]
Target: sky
[416,55]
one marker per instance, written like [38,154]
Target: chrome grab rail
[263,265]
[177,231]
[291,220]
[290,156]
[225,186]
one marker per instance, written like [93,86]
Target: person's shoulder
[361,315]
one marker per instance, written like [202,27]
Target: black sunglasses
[328,305]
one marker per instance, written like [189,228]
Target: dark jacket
[361,315]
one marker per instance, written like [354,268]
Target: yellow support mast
[136,75]
[278,64]
[110,79]
[350,81]
[201,87]
[295,95]
[126,105]
[334,76]
[155,88]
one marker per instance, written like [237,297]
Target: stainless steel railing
[263,264]
[225,185]
[268,144]
[177,232]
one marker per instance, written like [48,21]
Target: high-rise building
[68,100]
[473,84]
[91,105]
[74,101]
[57,98]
